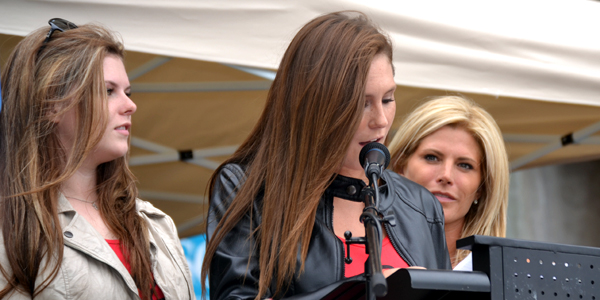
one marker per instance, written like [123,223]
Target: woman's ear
[398,169]
[478,193]
[52,113]
[57,111]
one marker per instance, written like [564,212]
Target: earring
[475,202]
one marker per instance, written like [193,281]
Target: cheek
[113,108]
[470,186]
[364,123]
[391,113]
[419,173]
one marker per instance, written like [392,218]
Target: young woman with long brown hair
[280,206]
[72,226]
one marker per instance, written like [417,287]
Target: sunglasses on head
[59,24]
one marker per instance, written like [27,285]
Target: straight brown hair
[39,86]
[313,109]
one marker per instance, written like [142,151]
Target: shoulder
[231,174]
[155,218]
[407,190]
[146,208]
[226,184]
[413,195]
[164,236]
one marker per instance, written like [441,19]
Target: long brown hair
[488,217]
[39,86]
[312,111]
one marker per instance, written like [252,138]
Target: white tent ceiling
[200,70]
[535,49]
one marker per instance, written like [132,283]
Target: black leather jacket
[418,236]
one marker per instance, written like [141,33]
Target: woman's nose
[378,117]
[445,174]
[129,107]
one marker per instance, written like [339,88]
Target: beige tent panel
[215,119]
[186,118]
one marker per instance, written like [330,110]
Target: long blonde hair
[488,217]
[40,83]
[313,108]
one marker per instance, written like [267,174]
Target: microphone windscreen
[374,146]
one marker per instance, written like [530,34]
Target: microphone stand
[376,284]
[375,158]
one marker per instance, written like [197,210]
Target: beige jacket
[91,270]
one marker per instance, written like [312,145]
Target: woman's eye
[128,94]
[386,101]
[109,91]
[430,157]
[466,166]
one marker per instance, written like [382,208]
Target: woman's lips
[123,129]
[371,141]
[443,197]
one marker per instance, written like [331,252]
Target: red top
[390,259]
[116,246]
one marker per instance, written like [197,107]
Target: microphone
[374,157]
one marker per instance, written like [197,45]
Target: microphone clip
[373,169]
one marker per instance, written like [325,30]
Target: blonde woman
[454,148]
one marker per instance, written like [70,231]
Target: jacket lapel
[81,236]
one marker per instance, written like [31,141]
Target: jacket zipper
[392,236]
[339,243]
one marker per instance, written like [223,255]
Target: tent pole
[199,87]
[166,154]
[189,198]
[266,74]
[147,67]
[544,139]
[573,138]
[189,224]
[148,145]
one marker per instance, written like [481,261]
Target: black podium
[502,269]
[532,270]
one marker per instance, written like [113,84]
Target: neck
[453,231]
[82,184]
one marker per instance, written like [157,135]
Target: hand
[388,272]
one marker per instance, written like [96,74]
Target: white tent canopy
[534,64]
[534,49]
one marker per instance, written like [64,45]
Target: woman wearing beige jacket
[72,226]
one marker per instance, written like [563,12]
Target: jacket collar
[346,188]
[63,204]
[141,206]
[86,239]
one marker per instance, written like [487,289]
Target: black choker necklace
[349,188]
